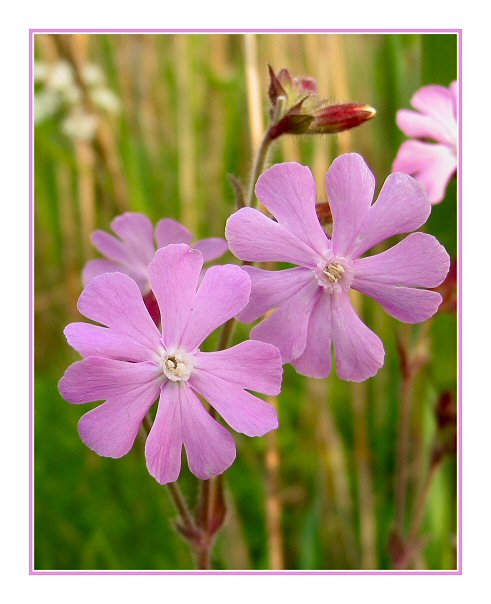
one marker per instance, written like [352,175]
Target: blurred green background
[178,115]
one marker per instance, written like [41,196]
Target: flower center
[334,274]
[177,367]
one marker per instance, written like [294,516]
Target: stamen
[177,367]
[334,272]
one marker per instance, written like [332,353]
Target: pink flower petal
[97,267]
[288,191]
[211,248]
[170,231]
[406,304]
[136,231]
[251,364]
[113,299]
[419,260]
[390,277]
[223,292]
[97,379]
[253,236]
[110,246]
[164,443]
[121,259]
[359,352]
[454,89]
[241,410]
[419,125]
[174,274]
[436,101]
[316,360]
[130,389]
[432,165]
[271,288]
[287,327]
[210,448]
[401,207]
[350,188]
[93,340]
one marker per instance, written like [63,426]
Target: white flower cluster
[58,91]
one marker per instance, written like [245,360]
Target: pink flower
[133,251]
[313,308]
[433,165]
[129,364]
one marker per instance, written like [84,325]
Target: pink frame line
[32,32]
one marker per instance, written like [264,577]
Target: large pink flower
[129,364]
[313,308]
[134,247]
[433,165]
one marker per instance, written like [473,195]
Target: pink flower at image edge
[311,302]
[130,363]
[432,164]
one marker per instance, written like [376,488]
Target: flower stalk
[212,506]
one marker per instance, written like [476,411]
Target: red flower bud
[336,118]
[292,123]
[297,109]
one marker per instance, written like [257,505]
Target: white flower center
[177,367]
[334,274]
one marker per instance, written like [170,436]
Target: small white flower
[93,75]
[40,71]
[46,104]
[106,100]
[80,125]
[60,76]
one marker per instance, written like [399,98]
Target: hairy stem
[181,505]
[258,166]
[176,495]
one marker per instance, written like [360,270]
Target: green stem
[411,546]
[258,167]
[420,507]
[403,450]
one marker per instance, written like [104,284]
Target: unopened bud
[292,123]
[337,118]
[275,88]
[296,108]
[292,88]
[150,302]
[324,214]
